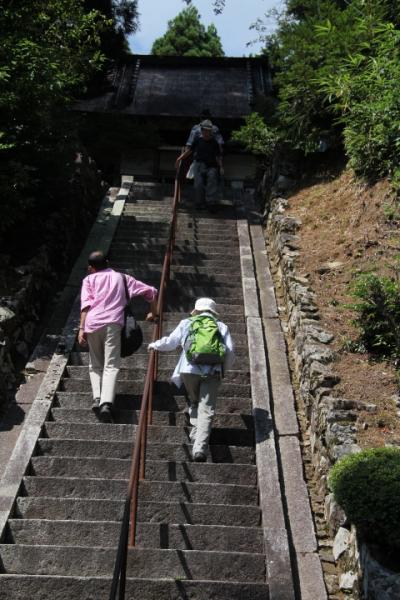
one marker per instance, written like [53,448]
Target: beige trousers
[202,392]
[104,361]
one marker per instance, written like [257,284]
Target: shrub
[378,317]
[367,486]
[257,136]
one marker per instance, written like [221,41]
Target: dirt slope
[348,228]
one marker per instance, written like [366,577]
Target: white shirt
[178,337]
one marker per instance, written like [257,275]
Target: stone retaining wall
[331,419]
[19,316]
[30,286]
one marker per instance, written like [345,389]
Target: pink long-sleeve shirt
[104,294]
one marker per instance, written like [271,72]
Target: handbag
[131,333]
[190,173]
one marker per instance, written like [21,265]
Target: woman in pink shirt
[103,300]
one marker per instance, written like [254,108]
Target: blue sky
[232,26]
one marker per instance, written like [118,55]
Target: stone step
[158,232]
[184,297]
[24,587]
[192,256]
[225,405]
[241,350]
[196,222]
[161,213]
[115,468]
[201,245]
[177,452]
[230,311]
[184,305]
[138,373]
[138,216]
[150,491]
[220,293]
[105,534]
[154,512]
[240,341]
[129,386]
[141,356]
[227,312]
[181,245]
[209,258]
[186,277]
[150,267]
[238,327]
[166,360]
[163,418]
[161,236]
[226,270]
[210,285]
[210,273]
[156,433]
[142,562]
[186,227]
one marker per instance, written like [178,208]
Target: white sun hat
[205,304]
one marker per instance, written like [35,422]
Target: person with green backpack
[207,352]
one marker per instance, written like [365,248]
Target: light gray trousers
[205,183]
[202,392]
[104,361]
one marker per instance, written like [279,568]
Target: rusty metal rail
[129,521]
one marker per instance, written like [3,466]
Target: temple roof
[147,85]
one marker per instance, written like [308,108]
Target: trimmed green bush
[367,487]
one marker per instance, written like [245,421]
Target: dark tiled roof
[183,87]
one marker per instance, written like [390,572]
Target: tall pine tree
[187,36]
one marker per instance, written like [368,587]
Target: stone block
[312,585]
[296,493]
[341,542]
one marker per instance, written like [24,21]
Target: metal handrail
[128,535]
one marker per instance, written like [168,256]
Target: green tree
[365,94]
[336,77]
[186,36]
[47,55]
[123,19]
[256,136]
[300,57]
[218,5]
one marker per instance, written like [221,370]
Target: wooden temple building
[152,102]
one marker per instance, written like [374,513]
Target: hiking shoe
[199,457]
[105,414]
[96,404]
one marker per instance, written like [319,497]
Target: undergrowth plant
[377,309]
[367,487]
[257,136]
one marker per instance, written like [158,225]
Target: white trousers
[202,392]
[104,361]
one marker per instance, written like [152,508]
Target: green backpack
[203,344]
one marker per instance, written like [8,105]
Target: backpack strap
[126,288]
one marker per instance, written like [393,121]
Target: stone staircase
[199,535]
